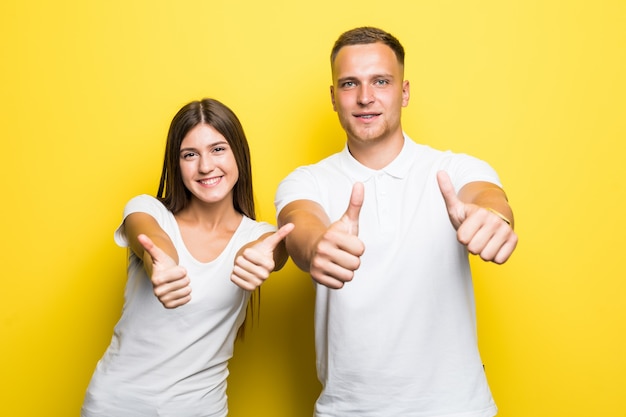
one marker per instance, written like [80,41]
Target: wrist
[500,215]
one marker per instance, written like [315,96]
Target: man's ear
[332,97]
[406,93]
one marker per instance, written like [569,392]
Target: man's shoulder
[331,159]
[329,163]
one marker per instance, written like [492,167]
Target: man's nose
[365,95]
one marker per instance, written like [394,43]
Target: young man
[384,228]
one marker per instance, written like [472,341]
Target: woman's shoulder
[144,202]
[144,198]
[255,227]
[149,205]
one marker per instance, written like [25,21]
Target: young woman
[196,254]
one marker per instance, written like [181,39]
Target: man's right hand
[338,252]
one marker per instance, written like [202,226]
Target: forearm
[141,223]
[300,245]
[162,242]
[489,196]
[280,256]
[310,224]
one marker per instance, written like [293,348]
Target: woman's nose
[206,164]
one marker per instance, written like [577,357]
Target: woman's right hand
[170,281]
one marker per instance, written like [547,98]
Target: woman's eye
[188,155]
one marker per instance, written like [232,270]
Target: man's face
[368,92]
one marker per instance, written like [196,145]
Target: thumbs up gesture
[170,281]
[482,231]
[256,261]
[338,251]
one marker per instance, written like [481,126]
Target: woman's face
[207,164]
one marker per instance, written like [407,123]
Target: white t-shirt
[399,340]
[172,362]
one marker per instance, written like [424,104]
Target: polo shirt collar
[398,168]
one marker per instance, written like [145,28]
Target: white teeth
[210,181]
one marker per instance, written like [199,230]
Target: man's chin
[365,137]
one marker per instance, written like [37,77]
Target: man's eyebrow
[370,77]
[348,78]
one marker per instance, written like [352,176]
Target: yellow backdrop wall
[536,88]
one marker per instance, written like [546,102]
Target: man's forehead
[365,60]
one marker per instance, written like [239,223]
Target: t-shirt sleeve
[259,229]
[140,204]
[251,231]
[464,169]
[298,185]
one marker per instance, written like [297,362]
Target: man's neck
[376,154]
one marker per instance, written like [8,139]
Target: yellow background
[535,87]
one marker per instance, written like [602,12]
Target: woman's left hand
[255,262]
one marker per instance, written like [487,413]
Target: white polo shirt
[399,340]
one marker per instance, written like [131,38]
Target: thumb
[351,216]
[153,250]
[455,207]
[270,242]
[447,190]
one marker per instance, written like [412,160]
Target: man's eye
[348,84]
[381,82]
